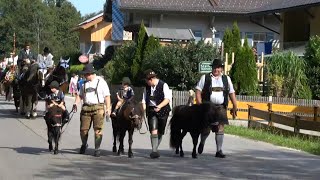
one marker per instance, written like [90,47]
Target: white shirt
[216,97]
[91,97]
[166,91]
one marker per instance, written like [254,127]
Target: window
[270,36]
[197,35]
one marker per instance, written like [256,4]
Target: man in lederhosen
[95,94]
[156,98]
[25,53]
[215,88]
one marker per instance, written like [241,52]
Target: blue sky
[88,6]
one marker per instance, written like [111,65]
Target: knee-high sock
[97,142]
[154,142]
[159,139]
[219,140]
[84,138]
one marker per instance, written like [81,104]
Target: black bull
[195,119]
[129,118]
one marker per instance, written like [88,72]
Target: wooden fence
[296,122]
[308,109]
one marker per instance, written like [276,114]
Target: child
[125,93]
[56,98]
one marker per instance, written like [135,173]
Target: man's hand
[74,108]
[157,109]
[233,112]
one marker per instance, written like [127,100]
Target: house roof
[283,5]
[201,6]
[173,34]
[89,22]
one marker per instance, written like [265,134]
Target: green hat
[54,84]
[126,80]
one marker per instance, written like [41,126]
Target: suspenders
[95,91]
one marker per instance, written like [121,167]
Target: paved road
[24,155]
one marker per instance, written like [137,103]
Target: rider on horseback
[124,94]
[56,98]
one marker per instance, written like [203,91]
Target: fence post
[249,115]
[296,124]
[315,113]
[270,123]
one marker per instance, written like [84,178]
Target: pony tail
[175,132]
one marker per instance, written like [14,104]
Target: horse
[29,83]
[194,119]
[54,126]
[129,118]
[16,93]
[59,74]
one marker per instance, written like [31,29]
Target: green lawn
[304,143]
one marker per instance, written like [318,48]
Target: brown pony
[129,118]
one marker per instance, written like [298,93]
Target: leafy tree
[289,72]
[178,65]
[244,76]
[121,63]
[312,57]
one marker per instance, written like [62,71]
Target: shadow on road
[246,165]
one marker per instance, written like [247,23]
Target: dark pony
[59,74]
[194,119]
[54,125]
[29,84]
[129,118]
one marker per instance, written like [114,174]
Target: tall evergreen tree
[245,71]
[152,45]
[138,57]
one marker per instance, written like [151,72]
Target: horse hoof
[34,115]
[181,154]
[130,155]
[177,151]
[194,156]
[50,148]
[55,152]
[114,149]
[122,152]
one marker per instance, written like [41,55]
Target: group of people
[9,70]
[214,87]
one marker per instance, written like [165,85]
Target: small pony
[54,123]
[194,119]
[130,117]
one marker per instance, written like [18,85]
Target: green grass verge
[304,143]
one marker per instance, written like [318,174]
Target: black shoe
[200,148]
[113,114]
[83,149]
[154,155]
[97,153]
[219,154]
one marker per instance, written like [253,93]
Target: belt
[217,89]
[88,104]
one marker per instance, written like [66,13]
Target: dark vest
[158,97]
[207,89]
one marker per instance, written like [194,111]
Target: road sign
[204,67]
[83,59]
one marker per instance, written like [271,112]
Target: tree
[152,45]
[244,69]
[312,57]
[120,65]
[138,57]
[232,41]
